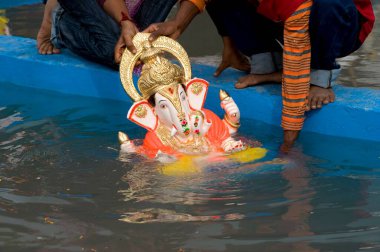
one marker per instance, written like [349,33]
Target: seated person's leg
[44,44]
[334,31]
[153,11]
[252,35]
[84,28]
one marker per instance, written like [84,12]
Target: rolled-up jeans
[334,32]
[84,27]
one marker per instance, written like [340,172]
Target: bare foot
[319,96]
[232,57]
[44,44]
[255,79]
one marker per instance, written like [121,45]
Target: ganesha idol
[169,104]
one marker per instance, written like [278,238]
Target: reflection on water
[65,187]
[204,44]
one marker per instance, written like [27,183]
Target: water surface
[65,187]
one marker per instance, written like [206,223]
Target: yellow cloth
[3,23]
[187,165]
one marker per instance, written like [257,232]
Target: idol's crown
[157,72]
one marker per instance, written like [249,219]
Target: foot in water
[255,79]
[317,97]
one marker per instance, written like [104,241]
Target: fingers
[154,35]
[151,28]
[130,46]
[223,65]
[118,52]
[125,41]
[168,28]
[128,40]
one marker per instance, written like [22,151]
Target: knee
[335,11]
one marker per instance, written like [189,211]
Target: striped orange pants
[296,72]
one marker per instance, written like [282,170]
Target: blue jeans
[334,31]
[83,27]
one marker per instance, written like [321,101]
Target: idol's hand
[231,109]
[232,57]
[199,124]
[126,145]
[230,145]
[128,31]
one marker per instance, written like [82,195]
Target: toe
[313,103]
[332,96]
[307,104]
[56,50]
[319,102]
[326,100]
[240,85]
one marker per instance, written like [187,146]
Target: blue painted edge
[4,4]
[355,114]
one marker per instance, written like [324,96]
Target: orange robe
[217,133]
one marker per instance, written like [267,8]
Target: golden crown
[157,72]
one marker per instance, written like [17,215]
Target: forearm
[116,9]
[187,11]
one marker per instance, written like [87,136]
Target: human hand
[128,31]
[232,57]
[169,28]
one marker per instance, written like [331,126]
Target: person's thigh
[334,32]
[87,30]
[251,32]
[153,11]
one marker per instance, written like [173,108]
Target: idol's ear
[143,115]
[196,90]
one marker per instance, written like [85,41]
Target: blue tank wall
[13,3]
[355,114]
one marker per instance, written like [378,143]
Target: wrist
[231,122]
[125,18]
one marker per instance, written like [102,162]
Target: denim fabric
[265,63]
[250,32]
[84,28]
[334,31]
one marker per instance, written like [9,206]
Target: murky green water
[64,187]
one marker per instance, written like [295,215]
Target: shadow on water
[65,187]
